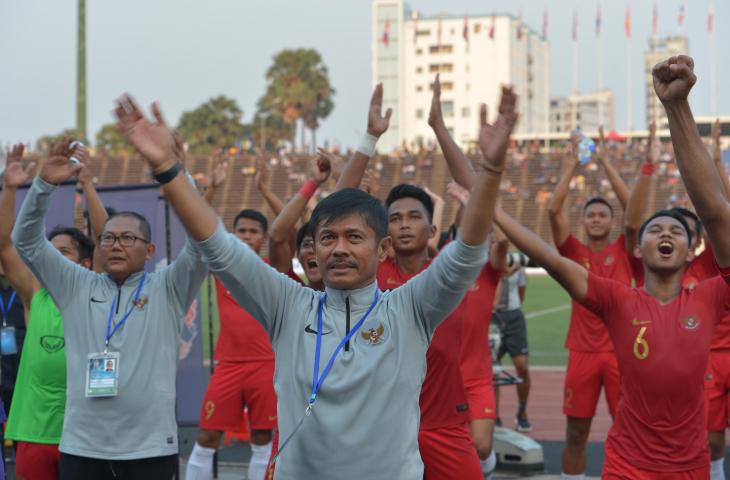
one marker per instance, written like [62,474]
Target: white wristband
[367,145]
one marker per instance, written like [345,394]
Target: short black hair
[667,213]
[351,201]
[144,225]
[405,190]
[84,245]
[595,200]
[689,213]
[254,215]
[303,232]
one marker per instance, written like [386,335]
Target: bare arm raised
[673,80]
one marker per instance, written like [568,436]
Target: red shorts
[717,387]
[234,386]
[449,453]
[37,461]
[586,374]
[480,395]
[616,468]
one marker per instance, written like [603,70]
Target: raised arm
[217,179]
[377,125]
[459,165]
[717,157]
[639,198]
[18,274]
[558,222]
[438,217]
[673,80]
[617,183]
[262,185]
[60,276]
[573,277]
[280,251]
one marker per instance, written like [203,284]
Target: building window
[577,116]
[419,51]
[419,113]
[419,88]
[441,67]
[423,33]
[447,108]
[451,131]
[477,27]
[419,69]
[441,48]
[445,86]
[465,112]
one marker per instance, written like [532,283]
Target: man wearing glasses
[119,426]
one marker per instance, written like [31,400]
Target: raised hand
[377,123]
[494,139]
[262,173]
[674,78]
[602,150]
[435,116]
[322,170]
[369,183]
[155,141]
[58,168]
[15,174]
[458,192]
[336,162]
[219,174]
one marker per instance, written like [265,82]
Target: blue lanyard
[4,310]
[109,330]
[317,383]
[318,380]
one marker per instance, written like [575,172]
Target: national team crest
[141,303]
[608,260]
[690,323]
[374,336]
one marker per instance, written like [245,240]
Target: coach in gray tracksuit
[129,432]
[364,422]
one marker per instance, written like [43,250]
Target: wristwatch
[168,175]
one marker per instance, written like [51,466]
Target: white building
[659,50]
[474,55]
[587,111]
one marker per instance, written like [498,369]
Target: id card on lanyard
[102,374]
[317,378]
[8,344]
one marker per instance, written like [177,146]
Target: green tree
[43,144]
[109,140]
[215,123]
[298,88]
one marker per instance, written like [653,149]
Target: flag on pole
[627,22]
[544,24]
[386,33]
[465,33]
[491,27]
[575,26]
[598,21]
[655,21]
[680,17]
[710,17]
[519,25]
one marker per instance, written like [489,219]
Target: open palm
[15,174]
[377,122]
[155,141]
[494,139]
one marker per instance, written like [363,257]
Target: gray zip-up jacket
[140,421]
[364,424]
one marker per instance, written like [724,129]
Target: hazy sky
[183,52]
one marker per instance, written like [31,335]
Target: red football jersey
[662,353]
[476,313]
[587,333]
[443,398]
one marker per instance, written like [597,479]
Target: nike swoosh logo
[308,329]
[390,281]
[636,322]
[97,301]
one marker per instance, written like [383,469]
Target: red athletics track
[545,407]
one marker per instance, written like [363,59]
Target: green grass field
[547,308]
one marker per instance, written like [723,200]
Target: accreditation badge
[8,346]
[102,375]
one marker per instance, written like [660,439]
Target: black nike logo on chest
[308,329]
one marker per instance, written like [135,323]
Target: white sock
[717,469]
[259,461]
[580,476]
[489,465]
[200,463]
